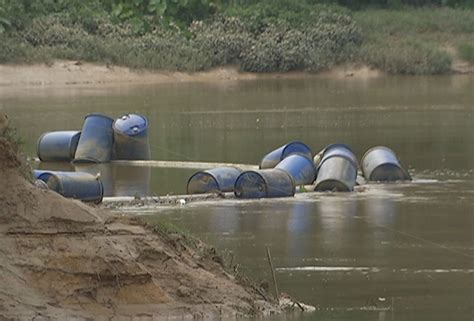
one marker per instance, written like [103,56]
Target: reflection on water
[354,255]
[406,246]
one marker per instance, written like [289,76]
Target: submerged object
[274,157]
[58,146]
[337,169]
[300,167]
[82,186]
[382,164]
[264,183]
[95,143]
[220,179]
[131,137]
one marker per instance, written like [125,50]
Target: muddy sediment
[62,258]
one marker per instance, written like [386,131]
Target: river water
[387,252]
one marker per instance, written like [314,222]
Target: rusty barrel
[264,183]
[380,163]
[82,186]
[300,167]
[274,157]
[220,179]
[96,141]
[131,137]
[58,146]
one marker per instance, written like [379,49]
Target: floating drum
[220,179]
[382,164]
[337,174]
[336,150]
[274,157]
[38,172]
[95,143]
[273,182]
[83,186]
[300,167]
[131,137]
[337,169]
[104,171]
[58,146]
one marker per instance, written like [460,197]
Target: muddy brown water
[390,252]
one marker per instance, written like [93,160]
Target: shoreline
[76,73]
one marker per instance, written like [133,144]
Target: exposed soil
[63,259]
[74,73]
[77,73]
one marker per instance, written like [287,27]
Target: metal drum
[274,157]
[337,174]
[220,179]
[38,172]
[102,171]
[82,186]
[337,169]
[264,183]
[131,137]
[336,150]
[58,146]
[382,164]
[300,167]
[95,143]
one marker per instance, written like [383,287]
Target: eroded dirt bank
[61,259]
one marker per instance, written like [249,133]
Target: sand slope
[61,258]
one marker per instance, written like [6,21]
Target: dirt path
[61,258]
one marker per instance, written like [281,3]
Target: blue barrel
[264,183]
[274,157]
[337,174]
[220,179]
[131,137]
[103,171]
[96,141]
[82,186]
[382,164]
[58,146]
[337,149]
[38,172]
[300,167]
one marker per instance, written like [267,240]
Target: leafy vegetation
[260,36]
[466,51]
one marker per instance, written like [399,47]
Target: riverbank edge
[74,73]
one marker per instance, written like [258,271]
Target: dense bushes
[326,39]
[260,36]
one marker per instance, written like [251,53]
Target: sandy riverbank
[78,73]
[72,73]
[63,259]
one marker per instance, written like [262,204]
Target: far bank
[263,38]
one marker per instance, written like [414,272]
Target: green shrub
[406,57]
[466,51]
[223,40]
